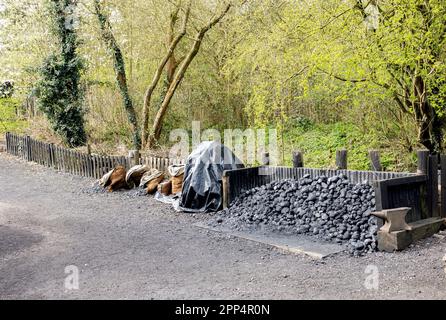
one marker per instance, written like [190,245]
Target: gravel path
[129,247]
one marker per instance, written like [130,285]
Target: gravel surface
[132,247]
[331,209]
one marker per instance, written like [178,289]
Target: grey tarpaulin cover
[202,183]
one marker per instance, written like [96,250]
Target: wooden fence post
[134,157]
[375,160]
[423,160]
[27,147]
[341,159]
[89,169]
[51,161]
[8,143]
[265,159]
[94,167]
[428,165]
[225,186]
[443,186]
[433,185]
[298,159]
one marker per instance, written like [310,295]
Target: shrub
[59,91]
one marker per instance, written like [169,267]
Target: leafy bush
[7,108]
[60,98]
[303,123]
[59,92]
[8,117]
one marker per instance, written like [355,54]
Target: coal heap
[332,209]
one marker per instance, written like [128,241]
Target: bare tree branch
[157,76]
[342,78]
[157,124]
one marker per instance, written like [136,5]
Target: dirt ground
[128,247]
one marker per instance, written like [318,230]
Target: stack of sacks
[150,180]
[177,174]
[134,175]
[165,188]
[114,179]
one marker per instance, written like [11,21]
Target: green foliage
[59,92]
[9,121]
[6,89]
[319,143]
[322,72]
[334,60]
[8,108]
[303,124]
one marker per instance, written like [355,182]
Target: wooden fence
[419,192]
[75,162]
[405,192]
[159,163]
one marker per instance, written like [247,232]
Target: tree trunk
[168,59]
[119,67]
[425,117]
[157,124]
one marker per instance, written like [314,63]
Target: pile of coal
[332,209]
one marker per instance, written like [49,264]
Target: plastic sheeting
[172,199]
[202,184]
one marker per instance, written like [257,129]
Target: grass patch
[319,143]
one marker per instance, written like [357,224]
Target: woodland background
[328,74]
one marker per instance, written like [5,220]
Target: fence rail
[160,163]
[75,162]
[241,180]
